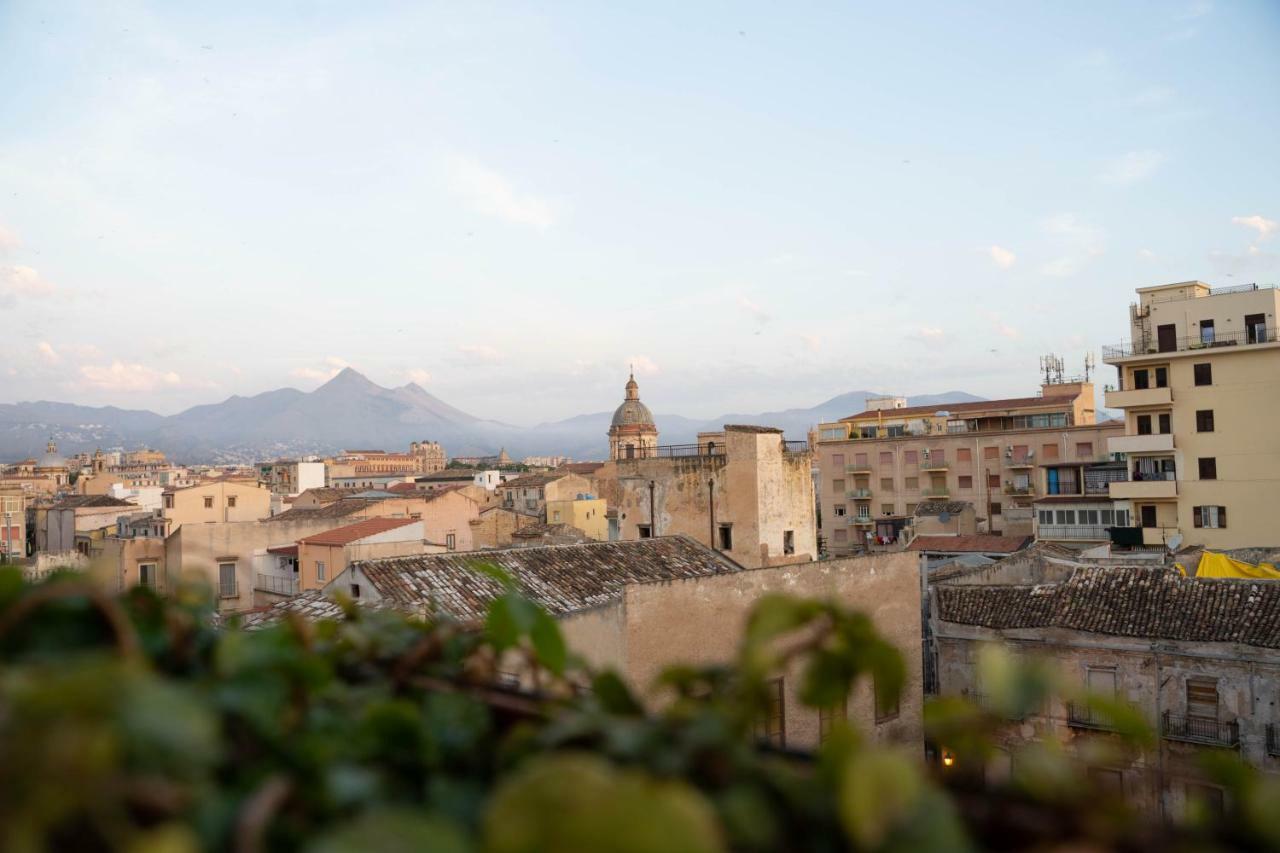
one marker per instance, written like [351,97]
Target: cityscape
[474,584]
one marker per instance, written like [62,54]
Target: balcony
[1073,532]
[1190,343]
[858,494]
[1138,397]
[861,520]
[1200,730]
[858,468]
[1143,490]
[1022,491]
[1156,443]
[936,492]
[934,465]
[1020,460]
[277,584]
[1085,717]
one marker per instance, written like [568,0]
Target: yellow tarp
[1222,566]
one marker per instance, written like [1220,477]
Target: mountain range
[351,411]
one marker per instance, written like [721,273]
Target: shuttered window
[773,728]
[1202,698]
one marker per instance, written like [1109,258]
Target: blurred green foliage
[138,723]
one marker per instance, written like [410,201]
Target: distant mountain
[350,411]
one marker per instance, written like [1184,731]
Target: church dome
[632,412]
[51,459]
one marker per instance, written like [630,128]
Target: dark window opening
[1255,328]
[646,532]
[1208,468]
[1162,377]
[726,537]
[773,728]
[1144,424]
[1141,380]
[1203,374]
[788,542]
[355,590]
[1166,423]
[1204,420]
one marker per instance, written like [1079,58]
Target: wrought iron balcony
[1086,532]
[858,468]
[934,465]
[1018,490]
[278,584]
[936,492]
[1200,730]
[1020,460]
[860,519]
[1086,717]
[855,494]
[1246,337]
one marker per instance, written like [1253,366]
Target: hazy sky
[760,205]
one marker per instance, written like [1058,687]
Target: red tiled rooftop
[359,530]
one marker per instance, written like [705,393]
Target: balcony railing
[795,447]
[671,451]
[934,465]
[1018,490]
[1245,337]
[860,519]
[1073,531]
[1085,717]
[858,468]
[936,492]
[278,584]
[855,494]
[1200,730]
[228,590]
[1020,460]
[1273,739]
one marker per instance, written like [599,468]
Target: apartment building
[877,466]
[216,500]
[1199,384]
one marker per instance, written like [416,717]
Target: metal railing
[795,447]
[1018,490]
[936,492]
[1246,337]
[1085,717]
[858,468]
[228,590]
[674,451]
[1151,476]
[934,464]
[859,519]
[1073,531]
[1200,730]
[1020,460]
[278,584]
[854,494]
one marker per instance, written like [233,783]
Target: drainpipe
[711,500]
[653,518]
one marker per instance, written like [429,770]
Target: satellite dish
[944,516]
[1174,541]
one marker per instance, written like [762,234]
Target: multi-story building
[877,466]
[1199,383]
[13,524]
[292,476]
[216,500]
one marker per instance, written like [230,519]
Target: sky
[757,205]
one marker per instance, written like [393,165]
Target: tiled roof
[83,501]
[954,408]
[448,474]
[562,578]
[328,494]
[581,468]
[530,481]
[939,507]
[1128,602]
[355,532]
[976,543]
[338,509]
[400,488]
[313,604]
[550,534]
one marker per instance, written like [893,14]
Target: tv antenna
[1088,365]
[1051,366]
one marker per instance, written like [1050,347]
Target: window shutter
[1222,516]
[1196,520]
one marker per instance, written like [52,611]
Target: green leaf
[391,830]
[613,694]
[500,624]
[548,642]
[880,788]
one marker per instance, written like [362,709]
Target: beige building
[531,492]
[638,607]
[494,526]
[13,523]
[216,500]
[744,491]
[69,522]
[324,556]
[878,466]
[1199,383]
[586,514]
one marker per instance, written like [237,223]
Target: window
[828,717]
[1049,451]
[1209,516]
[1206,332]
[912,483]
[208,502]
[990,453]
[964,454]
[911,509]
[1144,424]
[231,502]
[837,486]
[168,501]
[1084,449]
[147,574]
[965,482]
[1106,781]
[1204,420]
[227,580]
[1202,698]
[773,728]
[355,590]
[886,457]
[886,509]
[860,460]
[1208,468]
[320,570]
[887,702]
[837,460]
[1162,377]
[886,484]
[644,531]
[996,509]
[840,510]
[993,481]
[451,541]
[939,456]
[910,457]
[842,536]
[1203,374]
[1209,797]
[1166,423]
[788,541]
[1066,516]
[1141,380]
[726,537]
[1101,681]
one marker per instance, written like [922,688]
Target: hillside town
[1126,532]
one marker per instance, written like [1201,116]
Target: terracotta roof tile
[973,543]
[354,532]
[91,501]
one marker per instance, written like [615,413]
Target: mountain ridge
[350,410]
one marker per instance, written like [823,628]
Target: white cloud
[642,365]
[1133,167]
[1265,227]
[418,376]
[754,309]
[22,281]
[119,376]
[1002,257]
[490,193]
[8,240]
[479,353]
[48,353]
[333,365]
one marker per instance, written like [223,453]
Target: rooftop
[311,605]
[562,578]
[91,501]
[337,509]
[531,481]
[932,508]
[1157,603]
[356,532]
[959,408]
[979,543]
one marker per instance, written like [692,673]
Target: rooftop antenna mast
[1051,366]
[1088,365]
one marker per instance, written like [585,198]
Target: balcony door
[1167,338]
[1255,328]
[1148,515]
